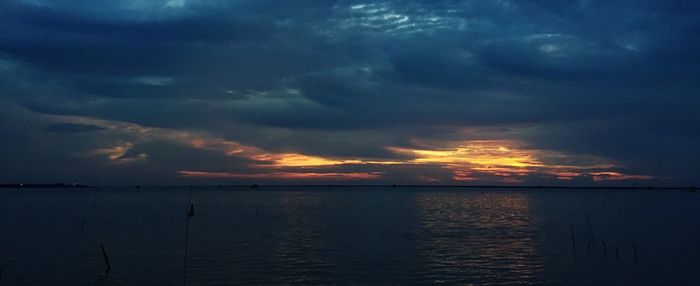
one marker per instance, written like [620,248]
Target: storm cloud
[160,92]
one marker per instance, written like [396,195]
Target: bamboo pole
[605,249]
[104,254]
[190,214]
[573,238]
[590,227]
[82,228]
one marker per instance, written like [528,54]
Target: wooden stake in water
[590,227]
[187,233]
[104,254]
[617,253]
[634,247]
[82,228]
[573,239]
[605,249]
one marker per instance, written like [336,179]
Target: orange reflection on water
[489,235]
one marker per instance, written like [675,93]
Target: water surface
[335,235]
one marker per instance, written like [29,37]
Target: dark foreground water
[398,236]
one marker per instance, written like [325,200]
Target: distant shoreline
[47,186]
[74,185]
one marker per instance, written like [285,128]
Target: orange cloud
[502,160]
[281,175]
[117,153]
[616,176]
[507,160]
[478,153]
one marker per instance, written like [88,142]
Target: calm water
[401,236]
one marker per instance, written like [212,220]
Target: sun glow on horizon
[504,161]
[281,175]
[479,153]
[510,163]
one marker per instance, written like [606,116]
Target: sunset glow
[118,153]
[502,161]
[354,142]
[281,175]
[477,153]
[510,162]
[299,160]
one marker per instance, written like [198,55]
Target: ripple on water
[353,236]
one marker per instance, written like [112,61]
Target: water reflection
[260,236]
[301,238]
[347,236]
[479,237]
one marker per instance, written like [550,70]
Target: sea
[348,236]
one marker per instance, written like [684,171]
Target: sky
[519,92]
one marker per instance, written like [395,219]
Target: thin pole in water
[82,228]
[605,249]
[634,247]
[94,198]
[617,254]
[590,227]
[104,254]
[187,233]
[573,239]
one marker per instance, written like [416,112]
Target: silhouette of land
[50,185]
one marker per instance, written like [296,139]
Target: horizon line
[76,185]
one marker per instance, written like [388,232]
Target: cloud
[477,160]
[343,80]
[120,153]
[74,128]
[283,176]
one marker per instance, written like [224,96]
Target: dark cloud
[74,128]
[348,78]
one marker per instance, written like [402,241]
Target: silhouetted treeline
[52,185]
